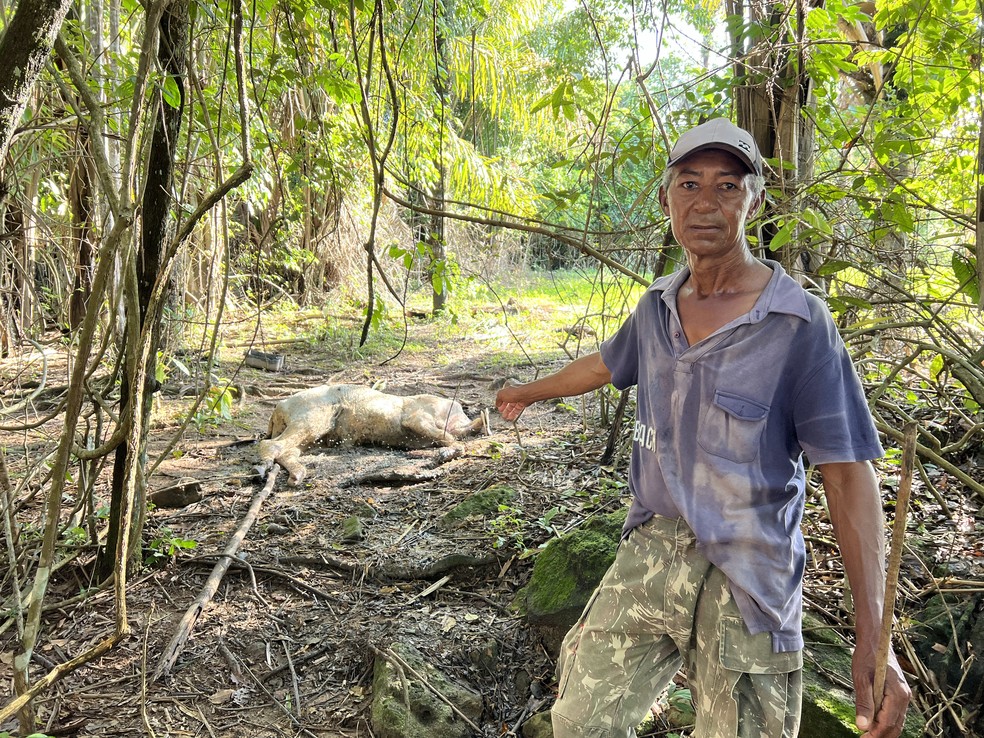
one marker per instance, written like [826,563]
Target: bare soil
[287,645]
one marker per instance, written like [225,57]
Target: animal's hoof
[260,472]
[447,453]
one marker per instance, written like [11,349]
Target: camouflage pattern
[661,606]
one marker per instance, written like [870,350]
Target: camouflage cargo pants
[659,607]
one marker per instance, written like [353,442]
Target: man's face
[708,202]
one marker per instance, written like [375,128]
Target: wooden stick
[183,631]
[894,561]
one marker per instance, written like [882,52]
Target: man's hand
[856,514]
[581,375]
[509,403]
[891,715]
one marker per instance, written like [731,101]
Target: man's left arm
[856,514]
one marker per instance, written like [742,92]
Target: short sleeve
[831,415]
[621,354]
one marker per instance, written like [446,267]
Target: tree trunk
[24,48]
[770,104]
[155,230]
[83,212]
[438,260]
[979,220]
[435,236]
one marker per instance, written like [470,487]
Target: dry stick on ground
[894,561]
[143,675]
[194,612]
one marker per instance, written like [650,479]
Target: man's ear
[756,206]
[663,202]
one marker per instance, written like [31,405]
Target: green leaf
[171,91]
[180,366]
[856,302]
[559,95]
[817,220]
[783,235]
[965,270]
[342,91]
[832,266]
[541,103]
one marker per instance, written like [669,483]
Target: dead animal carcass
[354,415]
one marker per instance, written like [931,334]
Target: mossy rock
[403,707]
[938,628]
[484,504]
[538,726]
[567,571]
[945,631]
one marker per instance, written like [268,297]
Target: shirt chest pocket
[731,427]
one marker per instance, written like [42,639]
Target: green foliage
[216,407]
[164,547]
[512,528]
[965,270]
[509,527]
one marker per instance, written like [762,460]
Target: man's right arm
[581,375]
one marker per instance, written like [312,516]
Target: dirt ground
[286,646]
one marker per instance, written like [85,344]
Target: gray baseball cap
[718,133]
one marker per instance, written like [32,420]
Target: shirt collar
[781,295]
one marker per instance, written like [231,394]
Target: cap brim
[741,155]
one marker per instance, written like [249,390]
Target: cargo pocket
[766,687]
[753,654]
[732,427]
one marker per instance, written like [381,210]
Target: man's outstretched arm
[581,375]
[856,514]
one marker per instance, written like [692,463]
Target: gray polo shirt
[721,430]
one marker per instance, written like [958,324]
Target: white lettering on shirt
[645,436]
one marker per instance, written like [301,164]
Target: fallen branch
[395,572]
[57,673]
[193,613]
[297,582]
[393,477]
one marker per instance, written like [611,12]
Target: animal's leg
[290,460]
[268,455]
[428,426]
[479,424]
[298,435]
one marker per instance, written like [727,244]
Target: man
[739,373]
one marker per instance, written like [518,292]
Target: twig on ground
[208,726]
[143,675]
[396,572]
[280,706]
[296,582]
[285,642]
[193,613]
